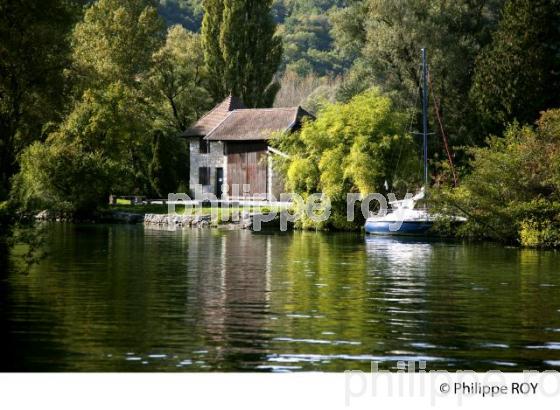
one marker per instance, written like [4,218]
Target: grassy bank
[181,210]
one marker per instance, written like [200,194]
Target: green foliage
[22,241]
[96,151]
[128,83]
[103,145]
[351,147]
[308,45]
[385,38]
[66,178]
[176,96]
[516,76]
[7,213]
[34,50]
[245,58]
[169,165]
[115,41]
[112,52]
[177,80]
[512,192]
[303,25]
[214,60]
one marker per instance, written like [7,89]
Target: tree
[104,139]
[34,51]
[177,81]
[115,42]
[512,192]
[516,76]
[169,166]
[97,150]
[246,57]
[66,178]
[213,58]
[351,147]
[177,95]
[385,38]
[308,45]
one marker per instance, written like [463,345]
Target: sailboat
[404,218]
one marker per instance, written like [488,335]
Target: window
[204,176]
[204,146]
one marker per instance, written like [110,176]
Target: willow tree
[357,147]
[241,49]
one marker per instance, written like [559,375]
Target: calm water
[125,298]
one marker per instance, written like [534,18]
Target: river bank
[230,219]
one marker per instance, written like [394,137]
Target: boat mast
[425,114]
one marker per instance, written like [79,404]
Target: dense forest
[304,25]
[93,94]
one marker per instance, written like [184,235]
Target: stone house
[230,156]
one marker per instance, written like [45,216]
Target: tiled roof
[213,118]
[257,124]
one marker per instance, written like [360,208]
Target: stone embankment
[163,220]
[195,221]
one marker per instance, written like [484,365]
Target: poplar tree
[211,24]
[245,57]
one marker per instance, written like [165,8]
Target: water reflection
[121,298]
[403,255]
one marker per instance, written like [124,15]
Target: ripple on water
[547,346]
[506,364]
[279,369]
[232,300]
[552,329]
[295,358]
[495,345]
[317,341]
[422,345]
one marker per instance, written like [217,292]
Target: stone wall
[215,158]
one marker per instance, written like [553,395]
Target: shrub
[513,191]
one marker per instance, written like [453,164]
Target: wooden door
[247,165]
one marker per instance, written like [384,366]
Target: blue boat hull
[407,228]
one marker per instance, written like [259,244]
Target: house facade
[230,156]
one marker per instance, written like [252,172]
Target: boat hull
[413,228]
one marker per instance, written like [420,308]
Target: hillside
[304,25]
